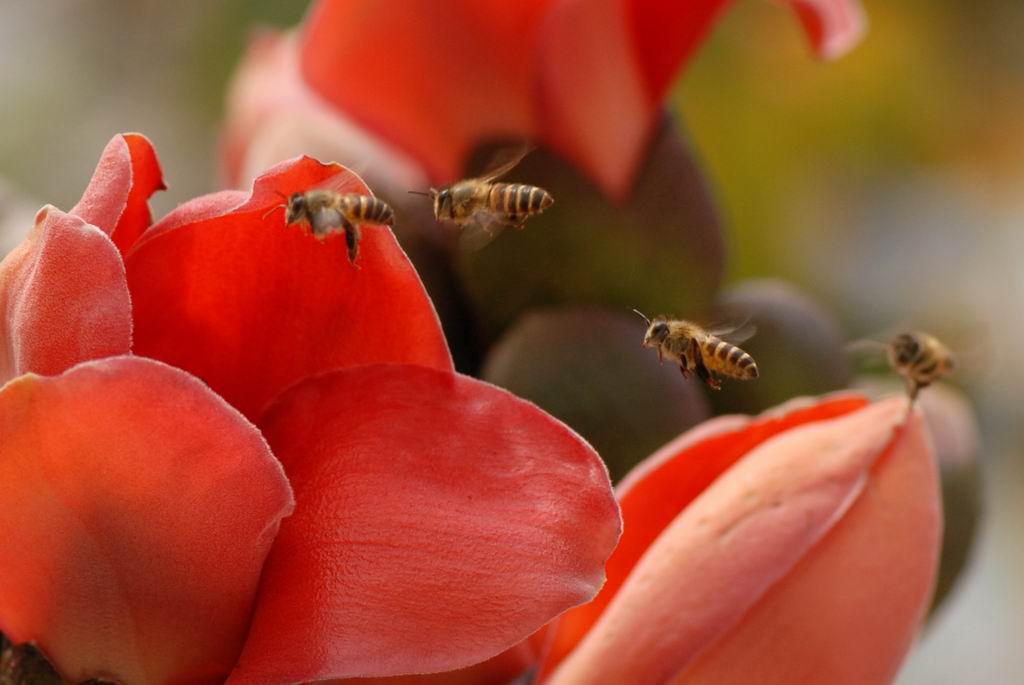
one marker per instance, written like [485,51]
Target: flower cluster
[228,456]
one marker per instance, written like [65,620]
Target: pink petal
[117,198]
[440,520]
[252,306]
[825,532]
[136,510]
[63,298]
[834,26]
[662,486]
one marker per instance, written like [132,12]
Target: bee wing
[500,166]
[343,183]
[326,220]
[478,233]
[734,333]
[973,349]
[868,350]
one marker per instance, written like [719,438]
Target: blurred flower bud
[660,252]
[586,367]
[798,346]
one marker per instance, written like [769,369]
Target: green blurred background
[886,185]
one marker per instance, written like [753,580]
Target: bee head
[296,207]
[442,203]
[904,348]
[656,332]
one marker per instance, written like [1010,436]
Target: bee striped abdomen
[368,209]
[517,201]
[728,359]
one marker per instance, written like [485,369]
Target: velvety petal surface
[252,306]
[661,487]
[440,520]
[63,298]
[136,510]
[499,670]
[827,531]
[117,198]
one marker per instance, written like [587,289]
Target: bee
[699,350]
[487,204]
[921,359]
[326,210]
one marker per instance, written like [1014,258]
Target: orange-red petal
[117,198]
[252,306]
[811,560]
[440,520]
[136,510]
[499,670]
[63,298]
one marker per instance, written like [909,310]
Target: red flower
[799,546]
[223,450]
[431,79]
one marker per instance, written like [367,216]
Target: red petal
[606,65]
[594,107]
[63,298]
[657,490]
[198,209]
[136,512]
[665,35]
[440,521]
[456,73]
[273,115]
[825,533]
[252,306]
[117,199]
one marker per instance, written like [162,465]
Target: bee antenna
[642,316]
[271,211]
[420,192]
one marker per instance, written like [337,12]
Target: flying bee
[699,350]
[484,203]
[921,359]
[327,210]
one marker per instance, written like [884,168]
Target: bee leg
[705,375]
[702,370]
[352,237]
